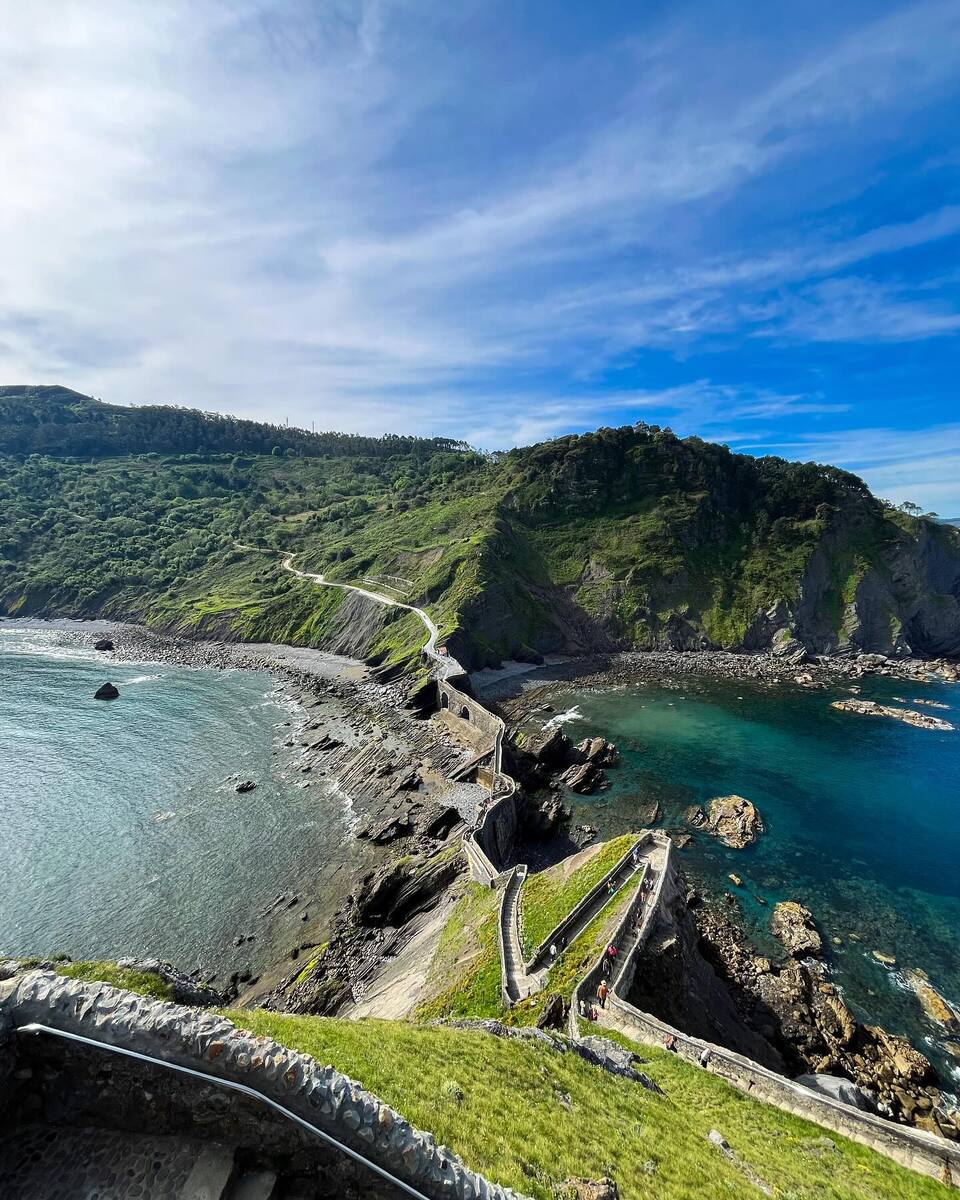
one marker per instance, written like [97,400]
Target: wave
[141,679]
[572,714]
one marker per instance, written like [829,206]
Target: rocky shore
[701,973]
[519,693]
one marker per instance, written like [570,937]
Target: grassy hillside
[624,537]
[530,1118]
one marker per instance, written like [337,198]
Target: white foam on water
[564,718]
[141,679]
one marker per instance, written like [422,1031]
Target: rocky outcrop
[106,691]
[794,926]
[800,1013]
[936,1007]
[103,644]
[869,708]
[733,820]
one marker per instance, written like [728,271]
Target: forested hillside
[619,538]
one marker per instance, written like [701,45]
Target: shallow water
[862,817]
[121,831]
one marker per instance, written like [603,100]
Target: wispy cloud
[383,216]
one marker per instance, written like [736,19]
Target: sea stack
[106,691]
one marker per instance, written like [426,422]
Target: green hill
[626,537]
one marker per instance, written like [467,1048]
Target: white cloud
[243,205]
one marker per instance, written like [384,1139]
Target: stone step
[49,1162]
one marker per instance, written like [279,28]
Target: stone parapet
[212,1045]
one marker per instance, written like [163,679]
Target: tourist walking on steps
[602,993]
[704,1058]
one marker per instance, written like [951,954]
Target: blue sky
[497,221]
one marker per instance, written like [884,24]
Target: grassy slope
[143,982]
[529,1117]
[550,895]
[641,531]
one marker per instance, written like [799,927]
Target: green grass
[144,982]
[464,976]
[574,962]
[548,897]
[528,1117]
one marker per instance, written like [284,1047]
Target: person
[611,951]
[582,1005]
[602,993]
[553,950]
[635,857]
[704,1058]
[671,1042]
[611,887]
[606,967]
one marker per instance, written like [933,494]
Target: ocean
[121,830]
[862,819]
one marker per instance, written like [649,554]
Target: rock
[735,880]
[839,1088]
[552,1014]
[588,1189]
[733,820]
[103,644]
[715,1138]
[106,691]
[869,708]
[934,1005]
[598,751]
[549,747]
[582,777]
[794,926]
[246,785]
[887,959]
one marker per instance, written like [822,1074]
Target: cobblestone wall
[75,1083]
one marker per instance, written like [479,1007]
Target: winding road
[445,664]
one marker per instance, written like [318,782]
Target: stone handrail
[573,917]
[921,1151]
[625,931]
[507,977]
[211,1044]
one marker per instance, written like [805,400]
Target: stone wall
[923,1152]
[68,1083]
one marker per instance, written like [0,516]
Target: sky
[497,221]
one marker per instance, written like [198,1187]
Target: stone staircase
[50,1162]
[513,972]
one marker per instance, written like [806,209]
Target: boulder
[549,747]
[582,777]
[103,644]
[840,1089]
[596,750]
[794,926]
[106,691]
[733,820]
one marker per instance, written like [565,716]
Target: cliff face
[633,538]
[618,539]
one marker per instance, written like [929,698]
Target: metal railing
[230,1085]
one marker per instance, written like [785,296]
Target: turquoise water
[120,828]
[862,816]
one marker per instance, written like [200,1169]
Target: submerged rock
[935,1006]
[794,926]
[246,785]
[106,691]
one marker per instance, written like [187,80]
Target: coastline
[348,735]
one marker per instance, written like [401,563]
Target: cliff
[618,539]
